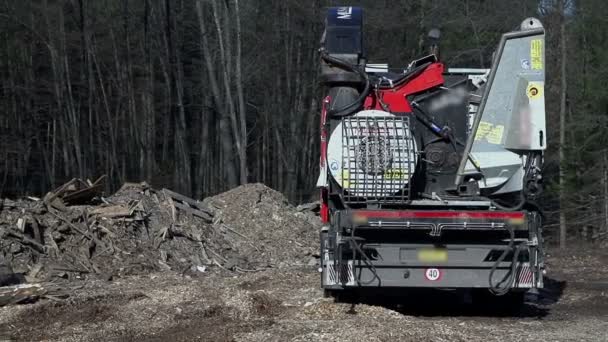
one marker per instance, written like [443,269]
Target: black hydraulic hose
[497,289]
[517,207]
[353,106]
[523,193]
[356,248]
[426,119]
[337,259]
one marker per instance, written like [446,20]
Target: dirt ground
[287,305]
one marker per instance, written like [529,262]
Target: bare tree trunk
[72,114]
[87,76]
[56,90]
[220,105]
[182,176]
[112,160]
[168,99]
[116,120]
[605,186]
[148,98]
[241,97]
[562,127]
[225,62]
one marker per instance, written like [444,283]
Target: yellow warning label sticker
[536,54]
[395,174]
[491,133]
[494,136]
[534,91]
[344,179]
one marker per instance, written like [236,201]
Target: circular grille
[374,155]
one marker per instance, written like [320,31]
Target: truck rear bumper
[345,275]
[409,249]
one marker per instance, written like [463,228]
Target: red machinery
[427,177]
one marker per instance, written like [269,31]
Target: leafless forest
[200,121]
[203,95]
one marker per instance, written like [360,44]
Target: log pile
[75,233]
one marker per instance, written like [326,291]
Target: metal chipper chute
[504,149]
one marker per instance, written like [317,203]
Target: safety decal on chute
[536,54]
[491,133]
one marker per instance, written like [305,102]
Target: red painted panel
[395,98]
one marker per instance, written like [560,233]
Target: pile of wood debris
[76,233]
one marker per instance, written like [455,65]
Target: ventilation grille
[378,159]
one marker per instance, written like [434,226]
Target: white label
[345,12]
[432,274]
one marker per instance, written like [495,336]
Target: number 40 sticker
[432,274]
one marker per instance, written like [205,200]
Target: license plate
[433,255]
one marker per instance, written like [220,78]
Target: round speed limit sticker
[432,274]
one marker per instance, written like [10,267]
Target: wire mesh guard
[378,158]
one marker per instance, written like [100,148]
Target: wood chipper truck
[429,175]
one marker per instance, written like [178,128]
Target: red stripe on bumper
[399,214]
